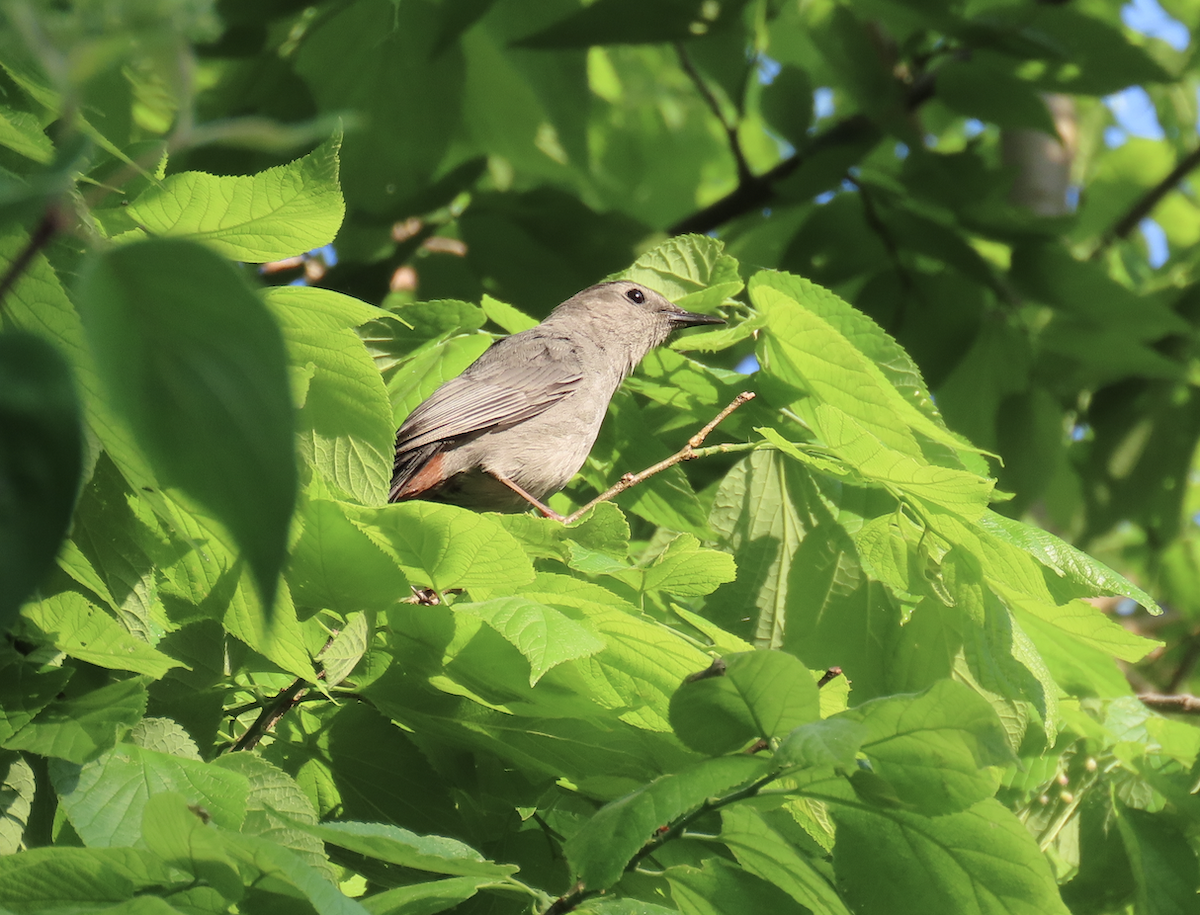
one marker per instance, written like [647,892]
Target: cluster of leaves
[235,679]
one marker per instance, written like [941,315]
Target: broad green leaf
[281,212]
[934,748]
[829,742]
[981,861]
[164,735]
[545,636]
[278,636]
[509,319]
[690,270]
[335,566]
[345,427]
[17,788]
[684,569]
[281,867]
[867,336]
[180,836]
[345,649]
[80,729]
[314,308]
[1164,864]
[274,805]
[425,898]
[718,887]
[444,546]
[196,364]
[603,530]
[1064,559]
[979,88]
[38,304]
[765,853]
[41,457]
[618,22]
[426,372]
[394,845]
[24,691]
[21,132]
[743,697]
[1085,623]
[105,799]
[599,852]
[763,511]
[79,629]
[73,878]
[804,349]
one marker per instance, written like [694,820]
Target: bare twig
[1142,207]
[1183,703]
[687,453]
[45,230]
[831,674]
[735,146]
[271,714]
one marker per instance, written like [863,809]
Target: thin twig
[1183,703]
[735,146]
[1148,201]
[271,714]
[831,674]
[46,230]
[688,452]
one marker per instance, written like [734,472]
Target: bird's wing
[514,380]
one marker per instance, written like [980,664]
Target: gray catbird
[513,428]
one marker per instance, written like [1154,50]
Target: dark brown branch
[689,67]
[45,230]
[1183,703]
[756,191]
[271,714]
[831,674]
[1148,201]
[687,453]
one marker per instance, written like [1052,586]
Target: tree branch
[756,191]
[688,452]
[689,67]
[46,229]
[1182,704]
[1143,205]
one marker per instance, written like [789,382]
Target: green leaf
[624,22]
[282,870]
[78,628]
[425,898]
[684,569]
[180,836]
[17,788]
[196,364]
[41,458]
[21,132]
[394,845]
[274,805]
[718,887]
[544,635]
[105,799]
[80,729]
[599,852]
[979,88]
[281,212]
[345,427]
[934,748]
[444,546]
[1065,560]
[314,308]
[690,270]
[47,878]
[1164,865]
[509,319]
[981,861]
[748,696]
[335,566]
[278,636]
[831,742]
[345,650]
[765,853]
[24,691]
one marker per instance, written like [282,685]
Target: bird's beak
[683,318]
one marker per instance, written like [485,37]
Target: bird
[519,422]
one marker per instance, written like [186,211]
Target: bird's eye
[636,296]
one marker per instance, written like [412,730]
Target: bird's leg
[540,506]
